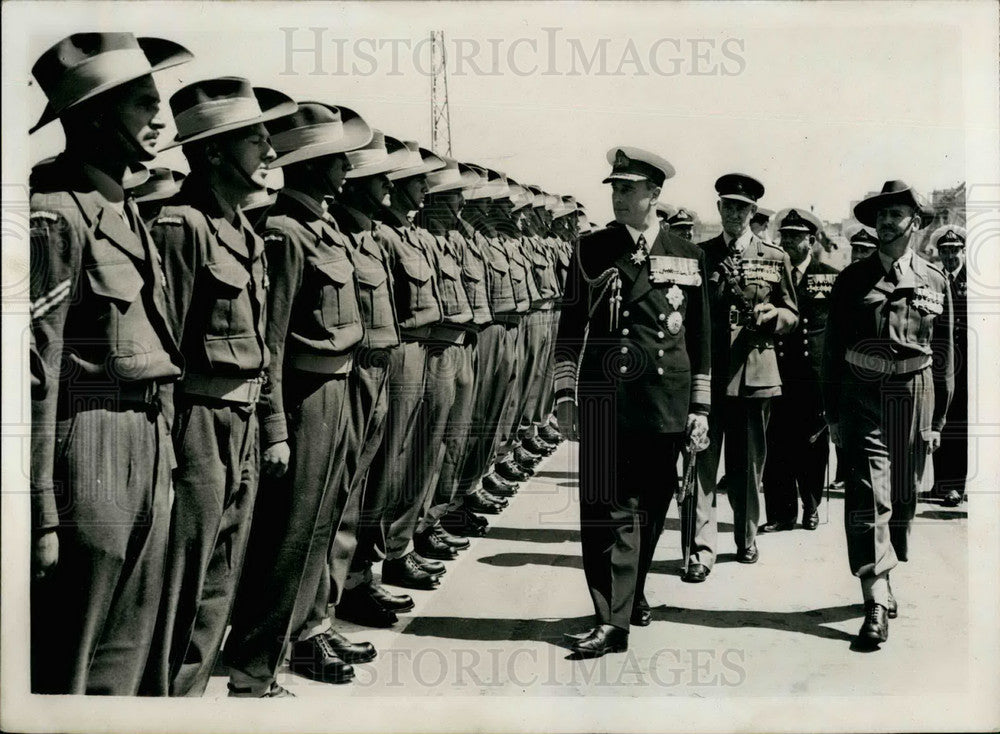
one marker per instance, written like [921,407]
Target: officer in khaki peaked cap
[632,382]
[753,301]
[216,284]
[103,349]
[887,380]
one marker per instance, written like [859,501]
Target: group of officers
[244,399]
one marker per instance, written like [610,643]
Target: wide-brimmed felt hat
[449,178]
[740,187]
[214,106]
[380,155]
[537,196]
[948,234]
[636,164]
[519,196]
[314,130]
[665,209]
[565,207]
[475,181]
[417,162]
[162,183]
[798,219]
[83,65]
[892,193]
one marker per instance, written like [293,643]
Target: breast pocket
[120,282]
[231,313]
[337,303]
[418,275]
[452,290]
[374,291]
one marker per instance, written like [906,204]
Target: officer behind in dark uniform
[887,383]
[216,291]
[752,301]
[635,321]
[103,347]
[682,224]
[951,461]
[314,323]
[863,244]
[798,447]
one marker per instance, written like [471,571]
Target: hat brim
[738,197]
[421,170]
[357,134]
[273,104]
[374,169]
[445,187]
[866,210]
[627,177]
[162,54]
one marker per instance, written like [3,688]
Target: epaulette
[166,219]
[48,216]
[273,237]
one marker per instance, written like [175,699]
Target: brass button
[625,314]
[624,332]
[663,316]
[659,353]
[659,370]
[624,350]
[623,369]
[659,335]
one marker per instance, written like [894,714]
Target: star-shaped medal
[675,296]
[639,256]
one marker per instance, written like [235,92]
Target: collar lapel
[229,236]
[111,226]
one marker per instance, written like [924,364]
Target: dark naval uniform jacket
[743,360]
[637,329]
[800,351]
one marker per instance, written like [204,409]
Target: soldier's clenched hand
[275,459]
[765,312]
[45,553]
[568,416]
[933,441]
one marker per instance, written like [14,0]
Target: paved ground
[782,626]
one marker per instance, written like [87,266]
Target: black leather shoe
[461,523]
[776,526]
[430,545]
[875,628]
[550,434]
[315,659]
[527,458]
[641,613]
[811,521]
[892,611]
[502,501]
[273,691]
[350,652]
[536,445]
[695,574]
[358,605]
[952,499]
[748,555]
[479,502]
[603,640]
[448,539]
[406,572]
[434,567]
[399,603]
[499,487]
[510,471]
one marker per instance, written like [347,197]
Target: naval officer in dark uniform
[798,447]
[887,383]
[632,381]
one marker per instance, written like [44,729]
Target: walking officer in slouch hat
[100,445]
[887,383]
[632,381]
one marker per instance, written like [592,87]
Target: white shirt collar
[904,261]
[741,242]
[801,267]
[651,232]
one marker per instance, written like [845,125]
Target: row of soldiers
[239,410]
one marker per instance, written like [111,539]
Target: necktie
[641,242]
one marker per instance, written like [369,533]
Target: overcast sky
[821,102]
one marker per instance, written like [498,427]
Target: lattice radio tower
[440,115]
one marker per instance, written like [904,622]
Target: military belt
[228,389]
[887,367]
[324,364]
[511,319]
